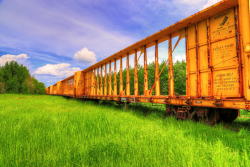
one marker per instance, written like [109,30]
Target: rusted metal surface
[170,69]
[217,52]
[127,77]
[157,77]
[145,59]
[136,93]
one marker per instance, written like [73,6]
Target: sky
[55,38]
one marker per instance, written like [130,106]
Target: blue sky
[54,38]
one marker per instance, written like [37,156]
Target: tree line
[179,78]
[16,78]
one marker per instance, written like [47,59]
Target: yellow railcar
[217,55]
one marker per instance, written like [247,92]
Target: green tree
[180,77]
[15,78]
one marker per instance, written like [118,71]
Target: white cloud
[61,29]
[8,57]
[61,70]
[210,3]
[190,2]
[198,3]
[86,56]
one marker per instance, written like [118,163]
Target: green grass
[55,131]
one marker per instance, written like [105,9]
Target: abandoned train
[215,43]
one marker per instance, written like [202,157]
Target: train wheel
[228,115]
[208,115]
[170,111]
[213,117]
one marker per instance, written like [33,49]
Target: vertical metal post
[244,13]
[101,78]
[98,82]
[157,77]
[170,70]
[87,84]
[96,77]
[127,77]
[91,86]
[115,80]
[121,79]
[82,84]
[110,79]
[240,68]
[136,74]
[75,84]
[210,63]
[188,64]
[105,79]
[198,61]
[92,83]
[145,72]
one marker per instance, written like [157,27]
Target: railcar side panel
[224,54]
[79,84]
[68,86]
[59,88]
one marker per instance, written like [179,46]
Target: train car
[79,80]
[59,88]
[50,90]
[67,87]
[47,90]
[53,89]
[215,46]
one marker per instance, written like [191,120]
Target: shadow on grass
[240,124]
[139,109]
[158,111]
[230,135]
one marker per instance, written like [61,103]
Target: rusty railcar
[216,44]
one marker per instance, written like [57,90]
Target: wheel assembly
[210,116]
[228,115]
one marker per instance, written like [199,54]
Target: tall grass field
[51,131]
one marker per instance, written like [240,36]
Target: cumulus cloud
[60,70]
[86,56]
[8,57]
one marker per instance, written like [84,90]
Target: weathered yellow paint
[204,70]
[79,83]
[127,77]
[93,83]
[110,81]
[136,74]
[101,80]
[157,77]
[58,88]
[115,80]
[170,69]
[145,71]
[121,79]
[68,86]
[97,81]
[222,25]
[244,18]
[105,80]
